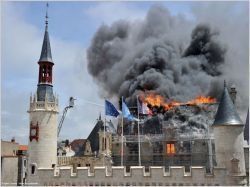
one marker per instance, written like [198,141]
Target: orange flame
[201,100]
[158,100]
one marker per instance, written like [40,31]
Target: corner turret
[226,113]
[228,135]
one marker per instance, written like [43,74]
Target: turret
[43,112]
[228,135]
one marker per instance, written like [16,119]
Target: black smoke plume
[159,54]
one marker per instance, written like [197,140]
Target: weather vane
[46,17]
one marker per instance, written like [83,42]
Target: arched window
[44,69]
[49,71]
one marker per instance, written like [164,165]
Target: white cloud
[108,12]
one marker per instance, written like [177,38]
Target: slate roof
[46,49]
[226,113]
[94,136]
[246,128]
[42,90]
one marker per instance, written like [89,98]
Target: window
[24,163]
[33,168]
[170,148]
[235,165]
[53,165]
[103,144]
[79,165]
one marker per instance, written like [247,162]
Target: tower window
[24,163]
[103,144]
[33,169]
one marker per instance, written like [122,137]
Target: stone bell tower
[43,113]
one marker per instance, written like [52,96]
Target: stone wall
[9,148]
[64,160]
[9,171]
[137,176]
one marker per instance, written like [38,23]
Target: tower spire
[44,87]
[226,113]
[46,50]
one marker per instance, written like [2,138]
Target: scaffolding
[165,149]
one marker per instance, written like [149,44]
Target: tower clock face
[33,132]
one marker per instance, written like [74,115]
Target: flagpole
[105,141]
[104,136]
[122,137]
[138,123]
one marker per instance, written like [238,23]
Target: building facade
[13,163]
[99,163]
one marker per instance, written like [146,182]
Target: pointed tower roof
[46,50]
[226,113]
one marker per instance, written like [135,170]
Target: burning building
[179,81]
[173,133]
[195,142]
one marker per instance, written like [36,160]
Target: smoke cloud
[164,54]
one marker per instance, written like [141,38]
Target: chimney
[233,93]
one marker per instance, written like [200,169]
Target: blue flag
[126,113]
[110,109]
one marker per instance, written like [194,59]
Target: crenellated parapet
[137,176]
[45,105]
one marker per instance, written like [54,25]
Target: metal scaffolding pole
[122,139]
[138,124]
